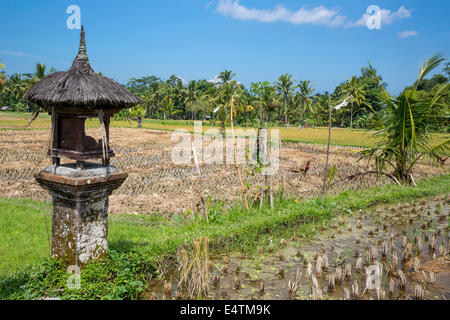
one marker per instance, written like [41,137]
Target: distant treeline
[285,102]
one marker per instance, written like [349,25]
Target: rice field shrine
[80,189]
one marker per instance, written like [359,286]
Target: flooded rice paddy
[406,244]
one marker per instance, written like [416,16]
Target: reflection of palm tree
[304,98]
[354,88]
[285,86]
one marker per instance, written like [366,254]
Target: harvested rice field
[156,184]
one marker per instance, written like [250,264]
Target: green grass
[23,237]
[345,137]
[340,136]
[23,233]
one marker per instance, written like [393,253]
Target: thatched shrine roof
[80,88]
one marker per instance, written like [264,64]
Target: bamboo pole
[325,174]
[268,178]
[202,198]
[101,117]
[269,157]
[235,155]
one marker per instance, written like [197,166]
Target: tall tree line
[285,102]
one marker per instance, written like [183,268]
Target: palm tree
[227,92]
[203,104]
[191,96]
[354,88]
[320,109]
[168,108]
[148,102]
[226,76]
[2,76]
[39,71]
[17,86]
[285,86]
[137,112]
[407,126]
[304,97]
[156,96]
[268,99]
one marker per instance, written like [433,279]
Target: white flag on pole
[343,103]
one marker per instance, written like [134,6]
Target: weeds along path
[155,184]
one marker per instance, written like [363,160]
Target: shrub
[117,276]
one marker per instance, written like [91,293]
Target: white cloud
[318,15]
[209,5]
[214,80]
[14,53]
[183,81]
[407,34]
[387,17]
[25,55]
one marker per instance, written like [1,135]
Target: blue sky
[323,41]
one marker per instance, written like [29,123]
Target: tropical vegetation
[285,102]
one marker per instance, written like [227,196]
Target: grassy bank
[138,243]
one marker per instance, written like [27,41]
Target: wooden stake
[325,175]
[203,200]
[269,178]
[235,155]
[260,149]
[194,152]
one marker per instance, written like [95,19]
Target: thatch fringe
[101,117]
[52,132]
[33,117]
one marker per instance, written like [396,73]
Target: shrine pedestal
[80,209]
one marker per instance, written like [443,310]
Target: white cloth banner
[344,103]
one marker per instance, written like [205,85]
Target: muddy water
[416,233]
